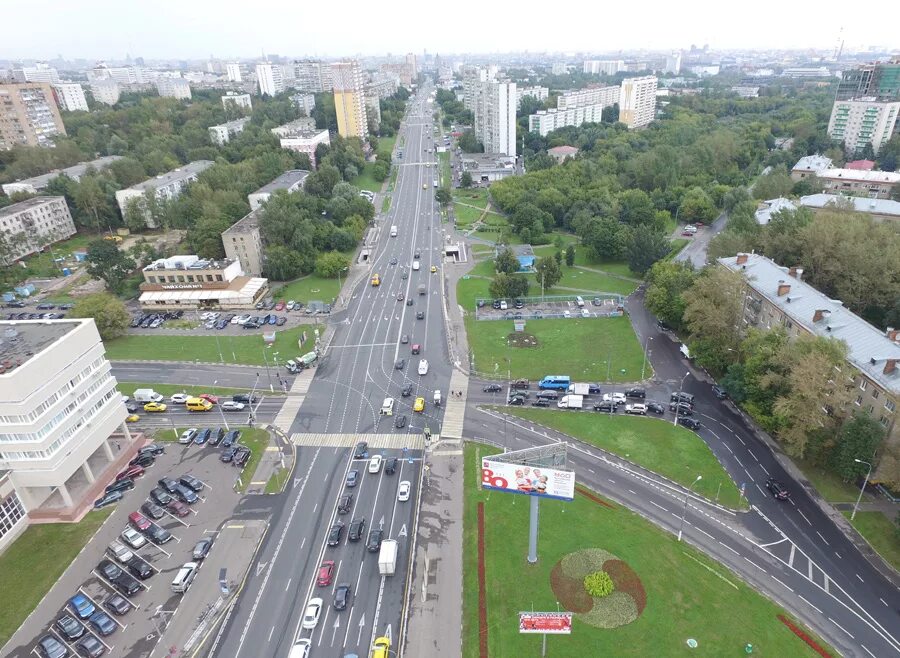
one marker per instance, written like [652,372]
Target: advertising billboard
[532,481]
[553,623]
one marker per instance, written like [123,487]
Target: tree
[666,282]
[282,263]
[506,262]
[696,206]
[712,314]
[109,314]
[636,208]
[776,183]
[570,255]
[331,263]
[468,143]
[505,286]
[558,257]
[645,247]
[547,272]
[443,196]
[605,238]
[106,262]
[380,171]
[859,438]
[90,199]
[465,180]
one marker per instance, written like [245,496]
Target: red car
[178,508]
[131,472]
[326,571]
[211,398]
[139,521]
[279,306]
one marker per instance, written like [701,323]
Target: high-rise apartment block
[240,101]
[233,72]
[28,115]
[858,122]
[31,225]
[174,88]
[587,97]
[349,99]
[41,72]
[673,63]
[312,75]
[495,117]
[537,93]
[546,121]
[70,97]
[881,80]
[472,77]
[411,66]
[163,187]
[637,101]
[603,66]
[105,91]
[270,79]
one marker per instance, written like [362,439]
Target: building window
[875,393]
[890,405]
[858,400]
[11,512]
[884,420]
[863,385]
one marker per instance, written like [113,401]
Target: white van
[423,366]
[579,301]
[393,231]
[387,407]
[437,398]
[184,577]
[415,266]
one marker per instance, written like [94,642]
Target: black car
[608,406]
[71,628]
[495,304]
[157,534]
[420,315]
[547,395]
[143,461]
[690,423]
[636,393]
[201,548]
[516,401]
[241,456]
[202,436]
[686,398]
[406,391]
[122,485]
[228,454]
[345,504]
[102,623]
[152,449]
[409,302]
[117,604]
[361,451]
[126,585]
[216,436]
[719,392]
[108,499]
[191,482]
[390,465]
[341,596]
[594,389]
[160,496]
[186,495]
[357,528]
[231,437]
[492,388]
[778,490]
[400,422]
[15,304]
[152,510]
[168,484]
[137,566]
[656,407]
[51,647]
[681,408]
[352,478]
[540,403]
[400,364]
[334,535]
[519,303]
[246,398]
[373,543]
[109,570]
[90,647]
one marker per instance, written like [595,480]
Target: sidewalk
[456,327]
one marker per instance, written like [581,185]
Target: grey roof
[245,224]
[27,204]
[22,339]
[75,171]
[184,171]
[868,348]
[230,125]
[770,207]
[815,162]
[287,180]
[860,204]
[891,177]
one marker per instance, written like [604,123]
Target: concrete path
[455,408]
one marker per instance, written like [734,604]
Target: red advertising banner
[558,623]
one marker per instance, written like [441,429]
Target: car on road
[50,647]
[132,408]
[300,648]
[419,405]
[390,465]
[209,397]
[179,398]
[406,391]
[400,364]
[690,423]
[160,496]
[326,573]
[245,398]
[423,366]
[352,478]
[420,315]
[133,538]
[138,567]
[152,510]
[656,408]
[400,296]
[681,408]
[433,269]
[335,533]
[132,418]
[410,301]
[188,435]
[375,464]
[381,648]
[403,491]
[400,423]
[345,504]
[777,489]
[361,451]
[719,392]
[540,403]
[108,498]
[202,548]
[81,606]
[311,616]
[90,647]
[341,596]
[71,628]
[404,339]
[155,407]
[102,623]
[636,409]
[373,543]
[636,393]
[231,405]
[117,604]
[357,528]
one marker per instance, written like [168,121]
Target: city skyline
[147,31]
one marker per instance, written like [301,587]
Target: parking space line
[63,640]
[178,519]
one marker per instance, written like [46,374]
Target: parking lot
[137,611]
[557,306]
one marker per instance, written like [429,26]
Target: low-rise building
[75,172]
[546,121]
[810,165]
[306,143]
[223,133]
[872,184]
[777,296]
[488,167]
[70,97]
[243,243]
[746,91]
[31,225]
[289,181]
[173,88]
[295,127]
[62,422]
[165,186]
[233,99]
[861,165]
[768,208]
[878,209]
[188,282]
[560,153]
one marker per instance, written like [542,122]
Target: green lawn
[276,481]
[829,485]
[468,290]
[169,390]
[494,236]
[673,452]
[386,147]
[308,288]
[881,533]
[41,265]
[444,164]
[677,245]
[365,180]
[576,277]
[687,594]
[385,204]
[466,215]
[34,562]
[257,440]
[576,347]
[247,350]
[474,197]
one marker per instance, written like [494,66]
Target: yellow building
[349,99]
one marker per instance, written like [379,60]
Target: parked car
[185,495]
[540,403]
[152,510]
[158,534]
[168,484]
[656,407]
[777,489]
[681,396]
[152,449]
[138,521]
[108,498]
[516,401]
[690,423]
[606,406]
[241,456]
[216,436]
[102,623]
[81,606]
[50,647]
[188,436]
[202,548]
[191,482]
[138,567]
[69,627]
[133,538]
[636,393]
[492,388]
[228,454]
[160,496]
[231,437]
[90,647]
[178,508]
[117,604]
[122,485]
[143,461]
[133,471]
[681,408]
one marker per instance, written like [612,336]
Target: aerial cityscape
[388,340]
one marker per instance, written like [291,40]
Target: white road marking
[804,517]
[659,506]
[867,651]
[729,548]
[841,627]
[288,584]
[783,585]
[756,565]
[823,538]
[809,604]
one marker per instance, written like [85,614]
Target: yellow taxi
[376,280]
[133,418]
[381,648]
[154,407]
[433,269]
[419,404]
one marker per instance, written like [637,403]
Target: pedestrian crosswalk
[375,441]
[455,409]
[295,398]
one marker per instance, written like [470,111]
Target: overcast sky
[188,29]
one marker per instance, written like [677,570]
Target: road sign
[554,623]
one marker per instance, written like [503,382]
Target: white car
[311,616]
[585,313]
[244,319]
[133,538]
[126,399]
[423,367]
[617,398]
[403,491]
[187,436]
[300,649]
[566,314]
[637,409]
[232,406]
[205,316]
[179,398]
[503,305]
[236,319]
[375,464]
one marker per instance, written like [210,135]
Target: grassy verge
[881,533]
[593,349]
[246,350]
[365,180]
[385,205]
[673,452]
[257,440]
[35,561]
[168,390]
[687,594]
[308,288]
[465,215]
[829,485]
[677,245]
[386,147]
[276,481]
[444,163]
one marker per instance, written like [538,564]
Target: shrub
[598,584]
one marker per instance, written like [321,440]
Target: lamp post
[865,483]
[684,510]
[340,296]
[268,374]
[646,349]
[678,401]
[222,413]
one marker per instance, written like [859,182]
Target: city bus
[555,382]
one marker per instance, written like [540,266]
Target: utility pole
[684,510]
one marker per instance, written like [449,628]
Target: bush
[598,584]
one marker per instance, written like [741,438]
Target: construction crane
[839,47]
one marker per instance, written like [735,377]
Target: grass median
[309,288]
[168,390]
[35,561]
[881,534]
[684,594]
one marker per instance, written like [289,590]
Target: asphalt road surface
[228,376]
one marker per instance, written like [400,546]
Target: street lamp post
[678,401]
[865,483]
[222,413]
[646,349]
[268,374]
[684,510]
[340,296]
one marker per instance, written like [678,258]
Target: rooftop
[185,171]
[772,206]
[869,349]
[891,177]
[563,150]
[75,171]
[231,125]
[187,262]
[860,204]
[815,162]
[246,224]
[27,204]
[488,160]
[306,134]
[285,181]
[22,339]
[861,165]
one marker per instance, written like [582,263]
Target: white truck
[145,395]
[579,388]
[387,557]
[571,402]
[393,231]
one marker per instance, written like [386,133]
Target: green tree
[734,196]
[331,263]
[558,257]
[859,438]
[468,143]
[645,247]
[443,196]
[636,208]
[605,238]
[505,286]
[91,200]
[380,170]
[465,180]
[696,206]
[506,261]
[109,314]
[776,183]
[106,262]
[547,272]
[283,263]
[570,255]
[667,281]
[712,314]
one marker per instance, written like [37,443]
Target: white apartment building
[856,182]
[472,77]
[70,97]
[63,425]
[290,181]
[40,72]
[304,102]
[495,117]
[860,121]
[538,93]
[295,127]
[546,121]
[270,79]
[673,63]
[164,187]
[28,115]
[243,243]
[75,172]
[637,101]
[105,91]
[312,75]
[604,96]
[559,68]
[810,165]
[242,101]
[31,225]
[124,75]
[233,72]
[174,88]
[223,133]
[603,66]
[306,143]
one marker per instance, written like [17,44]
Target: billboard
[555,623]
[532,481]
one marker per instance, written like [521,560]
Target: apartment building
[40,72]
[173,88]
[809,166]
[31,225]
[163,187]
[857,122]
[382,88]
[349,99]
[223,133]
[879,79]
[243,243]
[124,75]
[373,109]
[878,209]
[70,97]
[472,77]
[75,172]
[189,282]
[605,96]
[559,68]
[537,93]
[295,127]
[777,296]
[673,63]
[637,101]
[240,101]
[63,435]
[304,102]
[546,121]
[603,66]
[28,115]
[306,142]
[312,75]
[233,72]
[411,65]
[290,181]
[270,79]
[106,91]
[495,117]
[872,184]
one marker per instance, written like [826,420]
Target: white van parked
[184,577]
